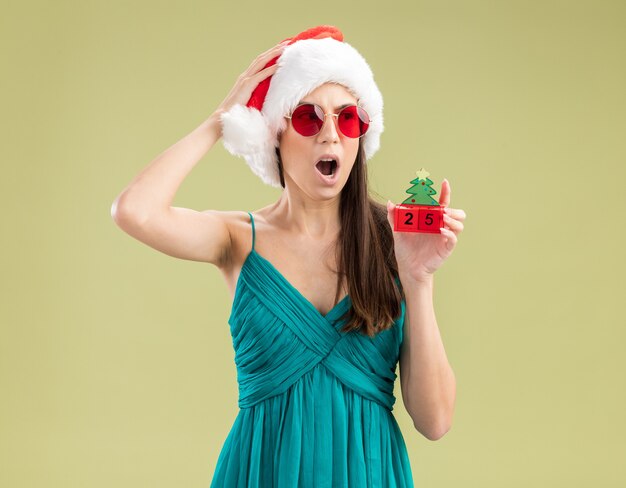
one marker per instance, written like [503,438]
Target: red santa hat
[312,58]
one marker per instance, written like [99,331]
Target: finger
[276,47]
[454,225]
[455,213]
[451,238]
[264,73]
[444,199]
[259,67]
[262,59]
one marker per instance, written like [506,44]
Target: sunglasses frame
[332,114]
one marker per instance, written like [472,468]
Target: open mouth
[327,168]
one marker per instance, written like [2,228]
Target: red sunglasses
[308,118]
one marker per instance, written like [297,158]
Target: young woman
[327,299]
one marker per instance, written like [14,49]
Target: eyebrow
[336,108]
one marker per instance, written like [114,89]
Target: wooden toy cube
[418,218]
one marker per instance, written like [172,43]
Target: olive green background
[116,363]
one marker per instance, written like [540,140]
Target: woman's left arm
[426,377]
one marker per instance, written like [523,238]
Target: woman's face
[300,154]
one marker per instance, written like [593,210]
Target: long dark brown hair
[365,254]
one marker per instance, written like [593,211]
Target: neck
[304,217]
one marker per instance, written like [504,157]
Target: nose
[329,130]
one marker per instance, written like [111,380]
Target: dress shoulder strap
[253,232]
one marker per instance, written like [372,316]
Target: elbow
[436,433]
[437,425]
[116,211]
[123,213]
[120,213]
[441,422]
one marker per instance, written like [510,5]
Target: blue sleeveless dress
[315,403]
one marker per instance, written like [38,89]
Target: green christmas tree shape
[421,190]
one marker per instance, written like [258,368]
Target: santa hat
[312,58]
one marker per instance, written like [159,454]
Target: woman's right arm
[144,208]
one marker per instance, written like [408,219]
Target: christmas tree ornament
[419,212]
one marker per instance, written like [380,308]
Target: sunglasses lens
[353,121]
[308,120]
